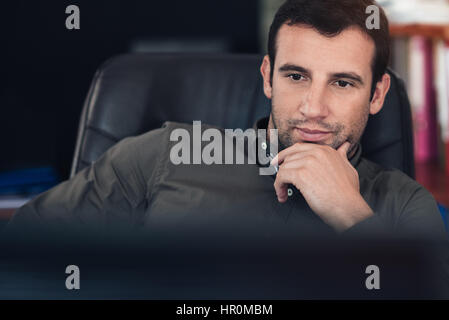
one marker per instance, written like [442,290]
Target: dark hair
[331,17]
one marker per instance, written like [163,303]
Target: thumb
[343,149]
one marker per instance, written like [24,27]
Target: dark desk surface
[217,267]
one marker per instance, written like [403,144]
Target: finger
[299,156]
[343,149]
[297,147]
[283,178]
[298,160]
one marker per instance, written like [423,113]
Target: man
[325,73]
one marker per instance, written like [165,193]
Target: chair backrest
[134,93]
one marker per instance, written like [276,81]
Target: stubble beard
[285,127]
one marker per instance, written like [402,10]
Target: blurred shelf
[434,179]
[427,30]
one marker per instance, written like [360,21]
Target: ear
[265,70]
[380,93]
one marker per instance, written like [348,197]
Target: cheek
[351,112]
[285,99]
[356,122]
[348,107]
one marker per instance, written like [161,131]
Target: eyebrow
[348,75]
[292,67]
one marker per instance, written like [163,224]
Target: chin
[316,142]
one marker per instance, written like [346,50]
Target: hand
[326,179]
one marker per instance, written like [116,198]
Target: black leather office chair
[132,94]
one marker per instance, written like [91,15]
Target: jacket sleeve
[419,217]
[112,192]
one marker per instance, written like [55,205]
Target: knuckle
[288,158]
[309,159]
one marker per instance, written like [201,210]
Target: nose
[313,104]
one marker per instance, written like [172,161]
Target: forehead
[351,50]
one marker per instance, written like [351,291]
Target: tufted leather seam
[103,133]
[88,105]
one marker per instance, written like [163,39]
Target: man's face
[320,88]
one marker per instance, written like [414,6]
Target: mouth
[312,135]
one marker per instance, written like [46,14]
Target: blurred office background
[47,70]
[420,55]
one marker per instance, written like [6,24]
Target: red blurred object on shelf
[435,179]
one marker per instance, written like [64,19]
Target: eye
[295,76]
[343,84]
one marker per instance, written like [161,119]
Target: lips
[312,135]
[312,131]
